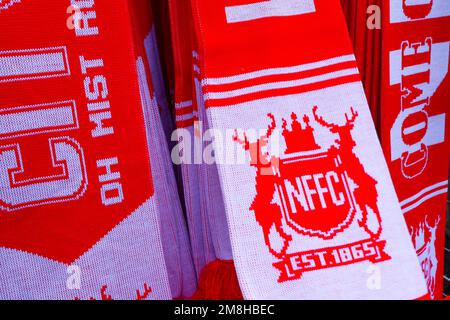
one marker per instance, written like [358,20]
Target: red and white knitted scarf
[82,213]
[314,213]
[414,122]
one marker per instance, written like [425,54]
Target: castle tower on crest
[299,139]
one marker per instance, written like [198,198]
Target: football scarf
[80,206]
[313,214]
[218,280]
[165,51]
[184,152]
[152,51]
[364,26]
[175,239]
[204,204]
[415,116]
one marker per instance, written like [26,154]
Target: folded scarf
[83,206]
[313,214]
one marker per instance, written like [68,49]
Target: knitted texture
[83,214]
[414,126]
[313,213]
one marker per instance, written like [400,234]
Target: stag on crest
[259,156]
[344,131]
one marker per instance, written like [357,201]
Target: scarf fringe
[218,281]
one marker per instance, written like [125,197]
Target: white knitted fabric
[314,214]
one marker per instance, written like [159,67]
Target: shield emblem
[315,195]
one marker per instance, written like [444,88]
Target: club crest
[315,192]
